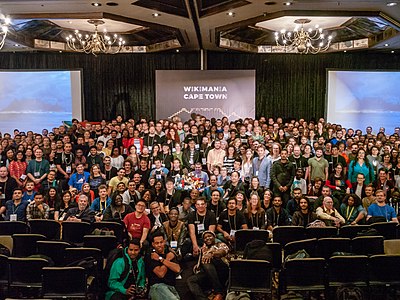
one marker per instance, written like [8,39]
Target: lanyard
[252,219]
[40,166]
[197,218]
[348,215]
[234,221]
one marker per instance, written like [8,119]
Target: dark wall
[287,85]
[293,85]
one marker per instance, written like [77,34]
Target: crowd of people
[182,189]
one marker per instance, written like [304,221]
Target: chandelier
[303,41]
[95,43]
[4,24]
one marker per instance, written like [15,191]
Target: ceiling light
[96,4]
[4,24]
[386,45]
[16,45]
[287,3]
[155,15]
[391,4]
[392,51]
[230,13]
[177,50]
[303,40]
[95,42]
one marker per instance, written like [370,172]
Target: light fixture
[97,4]
[155,15]
[287,3]
[230,14]
[390,4]
[4,24]
[386,45]
[303,41]
[95,43]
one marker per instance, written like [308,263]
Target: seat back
[327,246]
[321,232]
[242,276]
[287,234]
[25,244]
[3,269]
[65,282]
[384,269]
[73,232]
[387,229]
[26,271]
[13,227]
[105,243]
[348,270]
[304,274]
[391,246]
[49,228]
[244,236]
[7,241]
[350,231]
[53,249]
[309,245]
[367,245]
[72,255]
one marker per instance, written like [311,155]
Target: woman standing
[360,164]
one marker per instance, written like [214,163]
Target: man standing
[298,160]
[7,186]
[212,187]
[282,174]
[137,223]
[112,186]
[381,209]
[162,269]
[38,168]
[213,268]
[318,166]
[132,282]
[262,166]
[229,222]
[37,209]
[215,157]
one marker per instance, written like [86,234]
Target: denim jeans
[162,291]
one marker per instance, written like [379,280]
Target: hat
[208,231]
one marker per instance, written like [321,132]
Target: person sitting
[100,204]
[255,215]
[293,204]
[176,233]
[131,284]
[137,223]
[381,210]
[212,268]
[81,213]
[216,205]
[157,218]
[15,209]
[230,220]
[352,210]
[305,215]
[329,214]
[117,210]
[37,209]
[161,267]
[369,197]
[277,215]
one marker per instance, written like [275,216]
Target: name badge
[256,228]
[200,227]
[256,173]
[153,166]
[23,177]
[150,148]
[204,161]
[174,244]
[125,151]
[68,169]
[2,196]
[232,233]
[36,174]
[197,146]
[13,217]
[173,150]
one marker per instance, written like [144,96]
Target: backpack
[237,296]
[258,249]
[298,255]
[90,265]
[316,224]
[112,256]
[368,232]
[349,292]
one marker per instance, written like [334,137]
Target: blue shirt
[26,197]
[77,180]
[374,210]
[19,210]
[96,205]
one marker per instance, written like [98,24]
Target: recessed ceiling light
[96,4]
[155,15]
[386,45]
[391,4]
[60,51]
[112,4]
[392,51]
[230,13]
[16,45]
[345,51]
[270,3]
[69,22]
[177,50]
[287,3]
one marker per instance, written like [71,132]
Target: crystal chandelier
[4,24]
[303,41]
[95,43]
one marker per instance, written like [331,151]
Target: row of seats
[311,274]
[68,231]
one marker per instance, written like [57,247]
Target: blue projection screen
[34,100]
[357,99]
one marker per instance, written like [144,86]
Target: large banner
[213,93]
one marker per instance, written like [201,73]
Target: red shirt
[135,225]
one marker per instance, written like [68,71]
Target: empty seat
[287,234]
[13,227]
[73,232]
[118,228]
[367,245]
[3,272]
[244,236]
[49,228]
[327,246]
[25,244]
[351,231]
[105,243]
[348,270]
[387,229]
[391,246]
[53,249]
[64,283]
[244,278]
[308,245]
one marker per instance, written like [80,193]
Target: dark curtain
[287,85]
[290,85]
[112,84]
